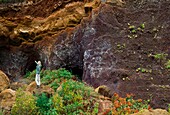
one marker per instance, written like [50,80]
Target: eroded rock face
[119,58]
[4,81]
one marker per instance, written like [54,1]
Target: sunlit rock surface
[4,81]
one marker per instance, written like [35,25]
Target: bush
[74,98]
[24,104]
[126,106]
[55,77]
[45,105]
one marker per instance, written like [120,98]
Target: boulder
[16,85]
[32,88]
[7,99]
[152,112]
[103,90]
[4,81]
[103,106]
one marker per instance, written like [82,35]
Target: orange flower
[139,100]
[128,95]
[136,111]
[116,95]
[124,101]
[117,104]
[128,110]
[129,103]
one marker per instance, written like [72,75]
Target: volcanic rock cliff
[124,45]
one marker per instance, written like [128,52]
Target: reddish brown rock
[16,85]
[4,81]
[152,112]
[103,90]
[103,106]
[7,99]
[31,87]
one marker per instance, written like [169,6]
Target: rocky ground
[124,45]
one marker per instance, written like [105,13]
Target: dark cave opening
[77,71]
[31,65]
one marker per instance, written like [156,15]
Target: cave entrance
[77,71]
[30,64]
[31,67]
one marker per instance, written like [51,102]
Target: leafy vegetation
[25,104]
[167,64]
[126,106]
[30,75]
[45,105]
[1,112]
[143,70]
[160,56]
[133,30]
[71,97]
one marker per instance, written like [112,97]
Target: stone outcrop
[4,81]
[104,105]
[7,99]
[103,90]
[33,89]
[152,112]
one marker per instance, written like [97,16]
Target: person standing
[38,69]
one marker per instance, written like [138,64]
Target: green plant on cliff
[143,70]
[24,104]
[74,97]
[55,77]
[161,56]
[169,108]
[167,64]
[30,75]
[45,105]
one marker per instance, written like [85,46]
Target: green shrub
[55,77]
[24,104]
[58,103]
[45,105]
[75,98]
[64,73]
